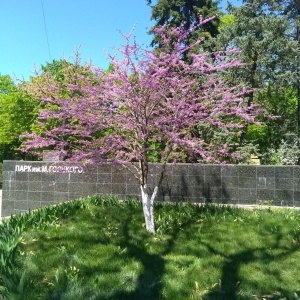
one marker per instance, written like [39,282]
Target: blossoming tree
[149,103]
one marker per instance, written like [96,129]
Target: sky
[35,32]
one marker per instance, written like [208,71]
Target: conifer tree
[263,35]
[291,10]
[186,13]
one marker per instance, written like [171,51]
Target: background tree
[186,13]
[17,113]
[269,136]
[54,83]
[263,36]
[149,97]
[57,73]
[291,10]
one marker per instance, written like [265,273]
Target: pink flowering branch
[150,104]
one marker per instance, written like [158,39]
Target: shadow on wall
[193,183]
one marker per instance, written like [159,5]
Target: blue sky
[92,25]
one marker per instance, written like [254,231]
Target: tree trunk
[297,11]
[147,202]
[253,85]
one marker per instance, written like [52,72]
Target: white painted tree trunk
[147,202]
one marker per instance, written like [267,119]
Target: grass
[99,249]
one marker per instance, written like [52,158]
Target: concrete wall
[29,185]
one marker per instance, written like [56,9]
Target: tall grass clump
[13,281]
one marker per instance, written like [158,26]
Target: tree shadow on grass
[229,284]
[230,280]
[150,282]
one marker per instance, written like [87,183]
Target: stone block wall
[29,185]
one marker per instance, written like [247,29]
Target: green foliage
[17,113]
[288,151]
[226,21]
[281,103]
[263,33]
[96,248]
[215,135]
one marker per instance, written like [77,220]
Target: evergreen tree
[291,10]
[264,37]
[186,13]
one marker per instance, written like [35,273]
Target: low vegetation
[98,248]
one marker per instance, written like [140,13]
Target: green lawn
[101,250]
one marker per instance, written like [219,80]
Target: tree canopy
[17,113]
[263,35]
[149,97]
